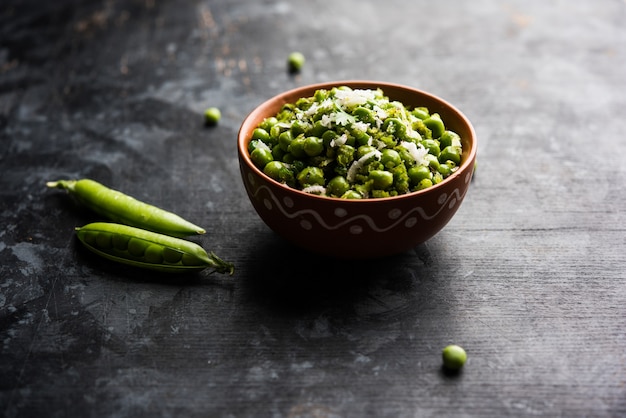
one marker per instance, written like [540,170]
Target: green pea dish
[355,143]
[356,169]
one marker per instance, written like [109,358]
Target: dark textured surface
[529,276]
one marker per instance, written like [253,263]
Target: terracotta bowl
[358,228]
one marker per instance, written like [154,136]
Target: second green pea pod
[149,250]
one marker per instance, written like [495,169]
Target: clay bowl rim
[290,96]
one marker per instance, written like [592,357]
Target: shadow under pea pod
[285,278]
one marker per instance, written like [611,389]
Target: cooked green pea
[337,186]
[297,166]
[279,172]
[444,169]
[268,123]
[284,140]
[254,144]
[381,179]
[276,131]
[419,173]
[303,103]
[433,161]
[360,137]
[432,146]
[450,138]
[154,254]
[288,158]
[452,153]
[435,124]
[395,127]
[310,176]
[424,184]
[148,249]
[406,157]
[320,95]
[454,357]
[390,158]
[363,150]
[277,152]
[261,134]
[364,114]
[421,112]
[419,126]
[261,156]
[345,155]
[318,129]
[328,137]
[296,148]
[313,146]
[400,179]
[352,194]
[297,128]
[272,169]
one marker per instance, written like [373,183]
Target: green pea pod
[125,209]
[149,250]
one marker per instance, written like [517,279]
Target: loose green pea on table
[212,116]
[454,357]
[295,61]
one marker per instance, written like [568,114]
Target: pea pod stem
[149,250]
[119,207]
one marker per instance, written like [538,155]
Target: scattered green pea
[125,209]
[454,357]
[295,61]
[148,250]
[212,116]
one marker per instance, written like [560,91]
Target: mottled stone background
[529,276]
